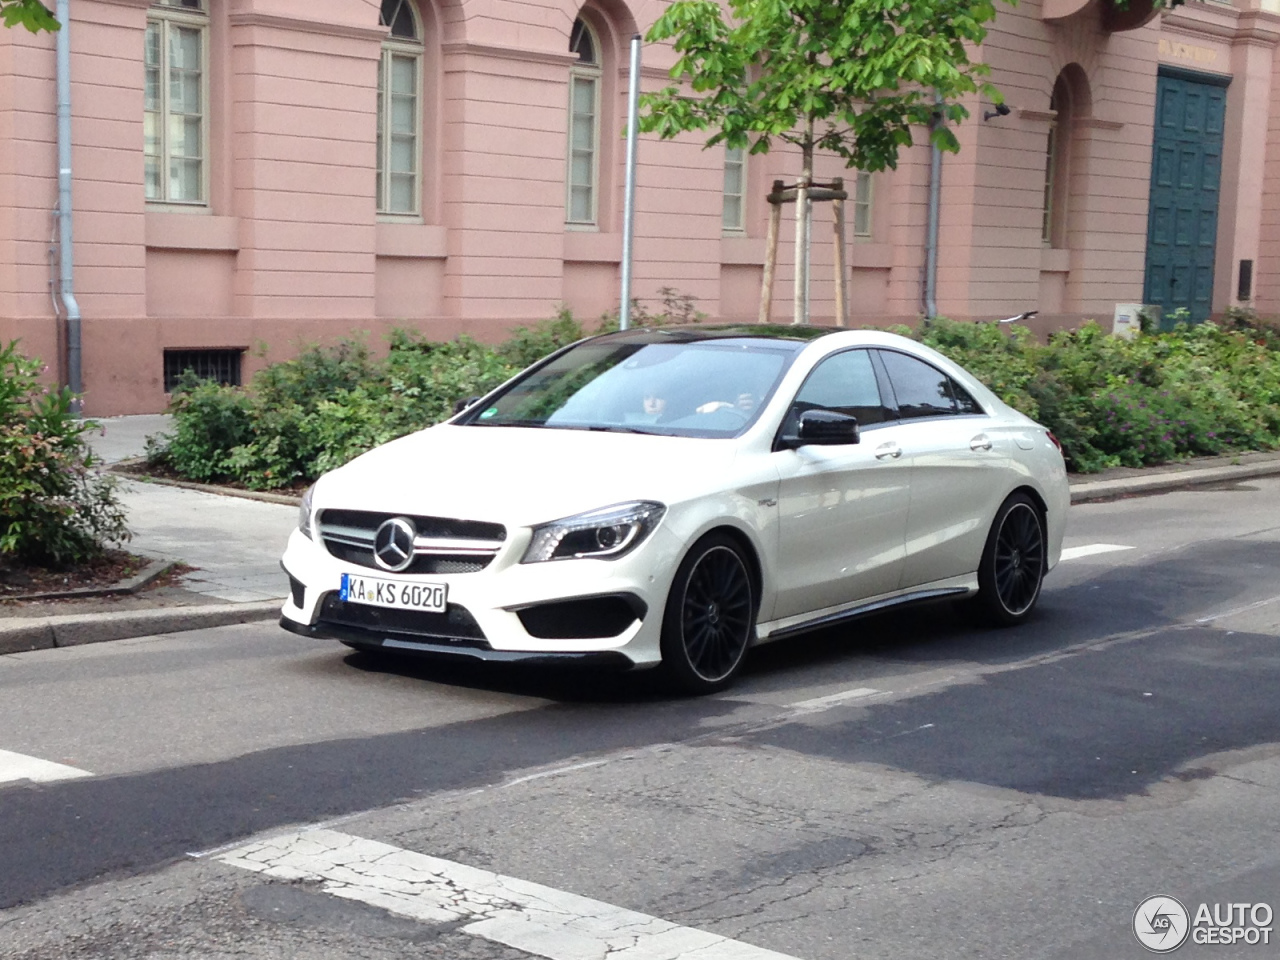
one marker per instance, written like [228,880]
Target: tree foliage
[32,14]
[852,77]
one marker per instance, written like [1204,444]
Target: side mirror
[824,428]
[460,405]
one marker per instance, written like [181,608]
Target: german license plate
[396,594]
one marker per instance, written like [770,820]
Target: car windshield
[691,388]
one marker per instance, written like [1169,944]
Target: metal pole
[629,204]
[66,274]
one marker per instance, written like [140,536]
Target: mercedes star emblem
[393,544]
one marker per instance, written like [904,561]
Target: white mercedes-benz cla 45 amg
[674,496]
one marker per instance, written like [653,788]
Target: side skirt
[865,609]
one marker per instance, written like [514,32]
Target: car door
[842,510]
[957,463]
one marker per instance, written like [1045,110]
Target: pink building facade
[251,175]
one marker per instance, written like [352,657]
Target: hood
[522,476]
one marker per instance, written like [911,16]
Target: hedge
[1198,389]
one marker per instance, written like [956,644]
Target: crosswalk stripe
[1090,549]
[525,916]
[17,766]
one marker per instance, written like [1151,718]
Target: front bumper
[372,640]
[500,613]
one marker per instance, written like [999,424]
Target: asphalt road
[907,787]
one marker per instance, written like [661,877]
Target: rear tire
[1013,563]
[710,616]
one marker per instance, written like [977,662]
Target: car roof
[796,336]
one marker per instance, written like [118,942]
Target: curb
[72,630]
[1093,490]
[121,469]
[151,572]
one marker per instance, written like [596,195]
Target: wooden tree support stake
[781,194]
[841,293]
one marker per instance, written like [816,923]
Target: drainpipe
[931,230]
[66,268]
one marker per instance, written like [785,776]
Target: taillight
[1056,442]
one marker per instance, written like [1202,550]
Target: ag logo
[1161,924]
[393,544]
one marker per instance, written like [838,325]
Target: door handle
[980,442]
[888,451]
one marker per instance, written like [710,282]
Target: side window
[965,404]
[846,383]
[922,390]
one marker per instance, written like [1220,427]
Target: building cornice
[462,48]
[299,25]
[1258,26]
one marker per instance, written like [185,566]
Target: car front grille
[455,625]
[443,545]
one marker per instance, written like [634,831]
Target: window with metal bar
[220,366]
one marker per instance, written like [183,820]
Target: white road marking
[17,766]
[818,704]
[525,916]
[1245,609]
[1089,549]
[554,773]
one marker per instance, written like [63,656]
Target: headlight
[604,534]
[304,512]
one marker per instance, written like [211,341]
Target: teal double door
[1186,171]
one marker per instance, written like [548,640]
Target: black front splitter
[453,650]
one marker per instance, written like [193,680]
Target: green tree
[32,14]
[852,77]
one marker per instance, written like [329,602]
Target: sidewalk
[235,543]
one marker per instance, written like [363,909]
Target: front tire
[1013,563]
[710,617]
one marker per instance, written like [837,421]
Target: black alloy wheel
[1013,563]
[710,618]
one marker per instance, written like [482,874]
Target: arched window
[1069,104]
[399,188]
[175,121]
[1052,161]
[583,185]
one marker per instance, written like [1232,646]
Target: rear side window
[922,390]
[845,383]
[965,404]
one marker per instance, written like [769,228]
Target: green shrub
[209,422]
[1193,390]
[55,508]
[528,345]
